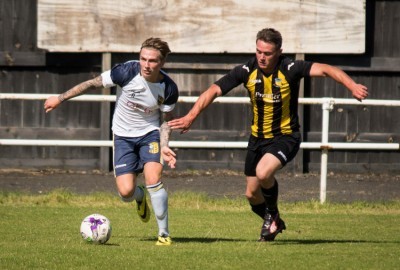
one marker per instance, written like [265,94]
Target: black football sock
[259,209]
[271,198]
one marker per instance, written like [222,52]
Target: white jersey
[139,102]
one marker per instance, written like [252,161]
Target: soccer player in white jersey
[148,95]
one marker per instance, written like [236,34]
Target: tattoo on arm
[165,130]
[81,88]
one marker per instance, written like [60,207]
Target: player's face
[267,55]
[150,64]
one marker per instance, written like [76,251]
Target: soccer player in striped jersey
[272,81]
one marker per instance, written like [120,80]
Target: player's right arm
[54,101]
[205,99]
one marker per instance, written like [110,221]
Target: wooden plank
[105,118]
[6,23]
[199,66]
[211,135]
[24,21]
[94,134]
[388,63]
[367,137]
[18,26]
[13,132]
[386,32]
[45,163]
[376,167]
[378,64]
[22,58]
[204,26]
[298,162]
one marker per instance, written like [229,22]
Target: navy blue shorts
[284,147]
[130,154]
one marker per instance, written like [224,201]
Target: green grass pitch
[42,232]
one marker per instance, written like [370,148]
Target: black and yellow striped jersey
[274,97]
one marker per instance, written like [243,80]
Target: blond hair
[158,44]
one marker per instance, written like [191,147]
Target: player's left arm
[167,154]
[358,91]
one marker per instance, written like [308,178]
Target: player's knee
[251,196]
[265,175]
[124,192]
[152,181]
[126,196]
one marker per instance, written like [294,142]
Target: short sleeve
[166,108]
[171,92]
[233,78]
[121,74]
[106,79]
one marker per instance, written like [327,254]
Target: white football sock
[159,200]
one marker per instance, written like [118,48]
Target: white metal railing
[324,145]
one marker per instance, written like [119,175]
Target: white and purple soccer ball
[96,229]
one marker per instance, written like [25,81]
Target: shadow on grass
[328,241]
[111,244]
[277,241]
[198,240]
[108,244]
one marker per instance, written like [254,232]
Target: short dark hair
[270,35]
[158,44]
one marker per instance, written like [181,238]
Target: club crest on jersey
[153,148]
[277,82]
[160,100]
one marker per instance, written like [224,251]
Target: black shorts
[284,147]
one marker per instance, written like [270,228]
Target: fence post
[105,118]
[298,161]
[327,107]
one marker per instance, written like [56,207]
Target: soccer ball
[96,229]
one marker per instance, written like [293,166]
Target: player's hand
[51,103]
[182,123]
[168,156]
[360,92]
